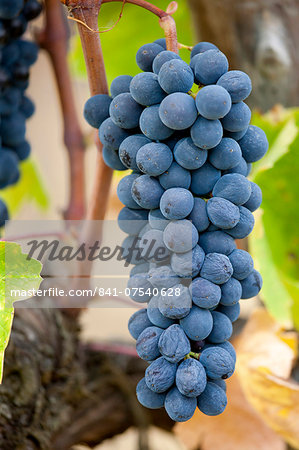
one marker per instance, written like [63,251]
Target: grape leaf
[29,188]
[16,273]
[274,243]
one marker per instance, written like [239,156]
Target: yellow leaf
[266,354]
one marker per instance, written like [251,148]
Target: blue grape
[254,144]
[111,135]
[238,117]
[175,176]
[155,316]
[174,139]
[147,397]
[111,159]
[233,187]
[140,288]
[231,311]
[10,100]
[236,135]
[216,268]
[175,306]
[130,251]
[199,216]
[146,55]
[221,383]
[226,155]
[160,375]
[223,213]
[217,362]
[139,268]
[27,107]
[231,292]
[174,344]
[120,85]
[23,150]
[176,203]
[154,158]
[124,191]
[128,149]
[138,322]
[163,277]
[209,66]
[198,324]
[10,9]
[202,47]
[13,129]
[240,168]
[242,264]
[189,155]
[152,246]
[180,236]
[204,179]
[9,168]
[213,400]
[28,51]
[179,407]
[255,199]
[96,110]
[3,213]
[147,191]
[213,102]
[217,242]
[125,111]
[237,83]
[245,225]
[157,220]
[252,284]
[178,111]
[145,89]
[204,293]
[131,221]
[162,58]
[152,126]
[206,133]
[188,264]
[226,346]
[147,343]
[222,328]
[176,76]
[191,378]
[162,42]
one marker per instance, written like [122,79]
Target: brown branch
[54,40]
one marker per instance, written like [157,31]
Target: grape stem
[166,21]
[53,39]
[193,355]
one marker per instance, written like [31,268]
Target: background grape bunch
[184,131]
[16,56]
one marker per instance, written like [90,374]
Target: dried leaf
[266,354]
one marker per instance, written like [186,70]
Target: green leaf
[136,27]
[274,294]
[16,273]
[29,189]
[275,242]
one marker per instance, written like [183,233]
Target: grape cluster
[16,57]
[184,131]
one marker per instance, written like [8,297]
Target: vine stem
[53,39]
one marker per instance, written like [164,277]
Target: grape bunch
[16,57]
[184,132]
